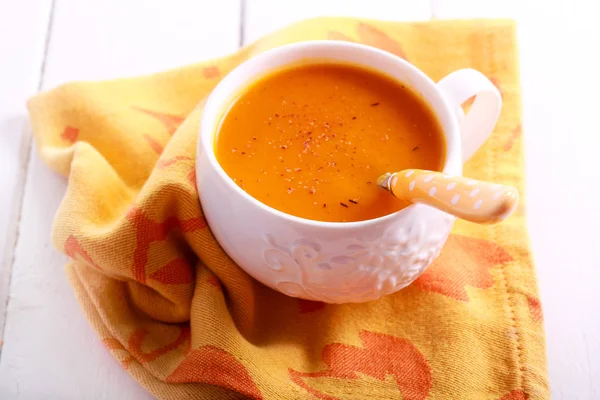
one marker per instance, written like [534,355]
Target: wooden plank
[90,40]
[106,39]
[20,71]
[559,85]
[266,16]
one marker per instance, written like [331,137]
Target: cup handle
[478,124]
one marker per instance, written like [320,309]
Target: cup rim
[216,99]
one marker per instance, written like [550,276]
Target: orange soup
[311,140]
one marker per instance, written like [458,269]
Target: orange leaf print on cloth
[371,36]
[137,339]
[175,272]
[114,344]
[535,308]
[380,356]
[157,147]
[215,366]
[464,261]
[148,231]
[333,35]
[514,135]
[214,281]
[515,395]
[170,121]
[70,134]
[376,38]
[211,72]
[191,176]
[173,160]
[73,248]
[496,83]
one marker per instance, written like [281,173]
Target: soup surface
[311,140]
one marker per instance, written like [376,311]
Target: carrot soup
[311,140]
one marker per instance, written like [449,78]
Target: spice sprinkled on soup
[311,141]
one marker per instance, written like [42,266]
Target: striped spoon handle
[468,199]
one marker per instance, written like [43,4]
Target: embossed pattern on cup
[364,268]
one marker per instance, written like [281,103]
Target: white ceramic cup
[339,262]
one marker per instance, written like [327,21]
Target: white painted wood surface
[20,66]
[93,39]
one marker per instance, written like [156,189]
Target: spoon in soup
[468,199]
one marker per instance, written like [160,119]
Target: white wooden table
[49,351]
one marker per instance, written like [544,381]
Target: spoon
[468,199]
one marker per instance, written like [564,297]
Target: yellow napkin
[186,322]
